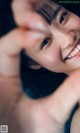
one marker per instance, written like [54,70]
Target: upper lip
[71,51]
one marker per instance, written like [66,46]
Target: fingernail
[42,26]
[35,21]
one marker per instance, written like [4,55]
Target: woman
[64,33]
[43,110]
[52,50]
[58,51]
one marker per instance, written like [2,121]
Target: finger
[11,46]
[25,17]
[61,103]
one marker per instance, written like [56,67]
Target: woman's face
[60,49]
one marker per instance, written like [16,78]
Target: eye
[63,17]
[46,42]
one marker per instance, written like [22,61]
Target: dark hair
[28,61]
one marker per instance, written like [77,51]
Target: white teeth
[76,50]
[72,54]
[78,47]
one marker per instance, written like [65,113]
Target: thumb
[61,103]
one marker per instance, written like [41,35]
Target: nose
[68,39]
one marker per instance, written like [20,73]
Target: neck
[70,72]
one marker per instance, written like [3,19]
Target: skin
[21,113]
[63,37]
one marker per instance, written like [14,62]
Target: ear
[35,66]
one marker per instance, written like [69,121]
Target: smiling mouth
[74,52]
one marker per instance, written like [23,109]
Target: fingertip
[31,20]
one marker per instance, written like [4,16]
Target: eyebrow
[48,13]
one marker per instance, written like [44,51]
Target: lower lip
[78,55]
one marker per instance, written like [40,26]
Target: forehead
[49,10]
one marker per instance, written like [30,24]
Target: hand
[24,13]
[22,114]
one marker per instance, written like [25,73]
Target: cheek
[50,58]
